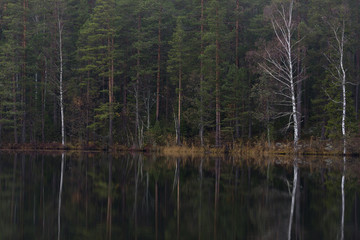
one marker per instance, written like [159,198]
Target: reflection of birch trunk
[200,195]
[343,200]
[60,192]
[295,181]
[177,184]
[109,205]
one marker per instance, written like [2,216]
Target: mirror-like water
[98,196]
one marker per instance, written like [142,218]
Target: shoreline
[254,149]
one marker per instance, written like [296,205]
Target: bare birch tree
[338,71]
[281,64]
[60,29]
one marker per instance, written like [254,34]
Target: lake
[136,196]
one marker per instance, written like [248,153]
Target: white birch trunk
[343,86]
[340,73]
[291,74]
[282,69]
[61,91]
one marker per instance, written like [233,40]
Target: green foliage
[128,35]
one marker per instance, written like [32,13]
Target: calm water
[97,196]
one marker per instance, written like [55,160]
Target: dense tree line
[146,71]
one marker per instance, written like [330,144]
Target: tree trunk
[178,141]
[111,89]
[290,63]
[137,114]
[342,71]
[23,97]
[237,130]
[125,110]
[283,71]
[158,68]
[217,88]
[201,109]
[60,29]
[299,86]
[87,107]
[357,66]
[43,100]
[14,108]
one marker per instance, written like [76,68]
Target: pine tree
[97,55]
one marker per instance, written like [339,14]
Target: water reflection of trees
[125,195]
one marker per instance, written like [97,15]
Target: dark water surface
[98,196]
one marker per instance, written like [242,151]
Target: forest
[160,72]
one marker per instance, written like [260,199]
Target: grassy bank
[249,148]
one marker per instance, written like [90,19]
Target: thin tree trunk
[14,109]
[60,29]
[201,127]
[299,86]
[237,130]
[125,107]
[291,77]
[23,98]
[167,100]
[283,71]
[137,117]
[178,141]
[357,66]
[87,107]
[43,102]
[111,91]
[343,84]
[158,68]
[217,88]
